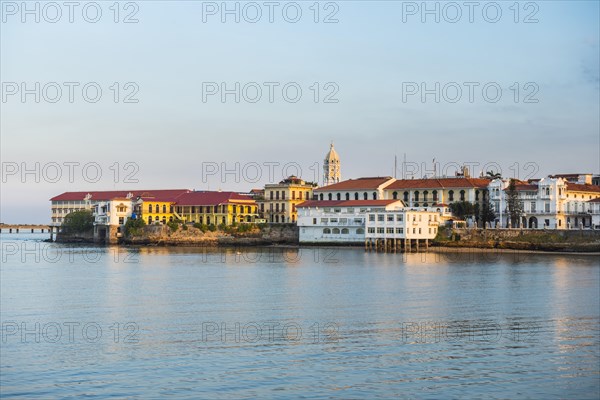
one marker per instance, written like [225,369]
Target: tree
[78,222]
[485,212]
[493,175]
[133,226]
[515,209]
[462,209]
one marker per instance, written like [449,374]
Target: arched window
[405,194]
[248,210]
[365,196]
[329,196]
[374,195]
[347,196]
[156,218]
[345,231]
[451,195]
[435,198]
[356,196]
[462,195]
[164,220]
[277,218]
[336,231]
[235,209]
[339,196]
[416,196]
[321,197]
[425,193]
[164,208]
[477,195]
[150,208]
[395,195]
[149,220]
[326,231]
[171,218]
[360,231]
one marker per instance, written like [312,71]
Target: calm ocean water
[80,321]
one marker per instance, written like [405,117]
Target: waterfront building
[370,188]
[400,229]
[216,208]
[548,203]
[68,202]
[157,207]
[279,201]
[338,221]
[432,191]
[594,210]
[110,218]
[332,168]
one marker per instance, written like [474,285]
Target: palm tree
[493,175]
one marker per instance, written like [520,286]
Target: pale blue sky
[369,53]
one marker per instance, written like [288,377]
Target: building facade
[371,188]
[216,208]
[338,221]
[402,224]
[280,200]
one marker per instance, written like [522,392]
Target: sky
[180,94]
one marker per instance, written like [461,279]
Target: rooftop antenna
[395,166]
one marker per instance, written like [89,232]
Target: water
[325,323]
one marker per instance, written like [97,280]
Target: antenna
[395,166]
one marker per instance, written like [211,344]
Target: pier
[396,245]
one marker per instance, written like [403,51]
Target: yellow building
[157,206]
[216,208]
[280,200]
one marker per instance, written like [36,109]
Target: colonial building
[279,201]
[355,189]
[428,192]
[68,202]
[216,208]
[547,203]
[594,209]
[400,229]
[110,218]
[338,221]
[332,169]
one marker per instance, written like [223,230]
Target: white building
[547,203]
[354,189]
[594,210]
[398,228]
[338,221]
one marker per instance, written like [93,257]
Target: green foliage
[515,209]
[173,225]
[212,227]
[78,222]
[133,226]
[462,209]
[486,212]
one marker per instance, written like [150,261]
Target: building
[370,188]
[400,229]
[428,192]
[594,210]
[110,218]
[332,168]
[158,206]
[280,200]
[338,221]
[68,202]
[216,208]
[548,203]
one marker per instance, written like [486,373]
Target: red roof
[156,195]
[347,203]
[596,200]
[577,187]
[439,183]
[212,198]
[356,184]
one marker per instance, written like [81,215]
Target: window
[425,194]
[324,220]
[374,196]
[390,217]
[399,230]
[361,231]
[294,194]
[372,217]
[326,231]
[462,195]
[282,195]
[435,197]
[365,196]
[270,195]
[419,230]
[395,195]
[150,208]
[282,207]
[276,207]
[380,230]
[329,196]
[300,195]
[547,207]
[347,196]
[345,231]
[416,196]
[533,206]
[337,210]
[380,217]
[356,196]
[399,217]
[314,221]
[451,195]
[389,230]
[121,220]
[321,197]
[333,220]
[336,231]
[371,230]
[405,194]
[350,210]
[476,197]
[338,196]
